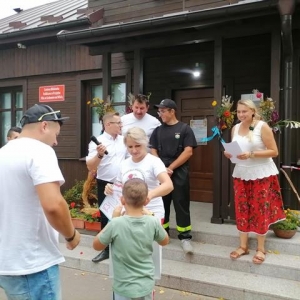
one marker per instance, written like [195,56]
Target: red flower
[226,113]
[72,204]
[96,214]
[258,95]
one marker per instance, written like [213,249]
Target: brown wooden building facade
[152,46]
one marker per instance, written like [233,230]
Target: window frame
[13,90]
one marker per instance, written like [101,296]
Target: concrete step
[202,279]
[225,235]
[277,264]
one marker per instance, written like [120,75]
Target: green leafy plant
[75,211]
[291,222]
[74,194]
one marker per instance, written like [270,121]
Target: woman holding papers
[145,166]
[258,201]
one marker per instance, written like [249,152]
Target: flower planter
[78,223]
[92,226]
[284,234]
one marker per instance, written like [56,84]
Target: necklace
[251,127]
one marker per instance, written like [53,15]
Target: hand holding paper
[234,150]
[112,200]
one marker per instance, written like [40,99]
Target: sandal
[235,254]
[259,259]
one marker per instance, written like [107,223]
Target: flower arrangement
[291,222]
[102,106]
[224,112]
[130,101]
[270,115]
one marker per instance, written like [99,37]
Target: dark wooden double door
[197,104]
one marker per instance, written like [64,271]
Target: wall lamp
[196,71]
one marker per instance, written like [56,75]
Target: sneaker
[187,246]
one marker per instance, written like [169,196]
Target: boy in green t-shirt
[131,236]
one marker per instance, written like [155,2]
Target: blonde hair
[250,104]
[138,135]
[135,192]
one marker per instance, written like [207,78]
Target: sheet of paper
[110,202]
[234,149]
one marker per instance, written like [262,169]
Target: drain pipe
[286,9]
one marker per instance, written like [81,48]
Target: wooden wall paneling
[46,59]
[72,170]
[138,71]
[132,10]
[106,81]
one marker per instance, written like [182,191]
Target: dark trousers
[181,200]
[101,186]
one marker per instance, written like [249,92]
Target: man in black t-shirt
[174,142]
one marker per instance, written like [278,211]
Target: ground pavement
[78,285]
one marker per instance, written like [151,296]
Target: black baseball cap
[41,112]
[168,103]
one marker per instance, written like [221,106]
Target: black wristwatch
[71,238]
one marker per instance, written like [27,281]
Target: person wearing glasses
[174,142]
[30,194]
[107,165]
[139,116]
[13,133]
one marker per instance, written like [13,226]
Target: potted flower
[287,228]
[92,221]
[77,216]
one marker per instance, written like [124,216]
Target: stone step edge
[193,276]
[290,246]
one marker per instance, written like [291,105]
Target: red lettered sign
[52,93]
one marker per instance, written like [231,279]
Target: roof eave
[125,29]
[49,31]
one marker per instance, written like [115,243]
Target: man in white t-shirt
[139,116]
[30,196]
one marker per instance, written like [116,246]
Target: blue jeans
[44,285]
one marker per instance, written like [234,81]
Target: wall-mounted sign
[199,128]
[52,93]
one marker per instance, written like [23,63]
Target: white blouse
[257,167]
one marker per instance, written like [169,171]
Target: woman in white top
[146,166]
[258,201]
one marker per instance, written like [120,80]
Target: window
[90,120]
[118,98]
[11,110]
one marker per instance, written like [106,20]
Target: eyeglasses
[119,123]
[161,112]
[56,114]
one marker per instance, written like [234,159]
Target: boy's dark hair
[13,129]
[135,192]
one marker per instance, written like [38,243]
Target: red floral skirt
[258,204]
